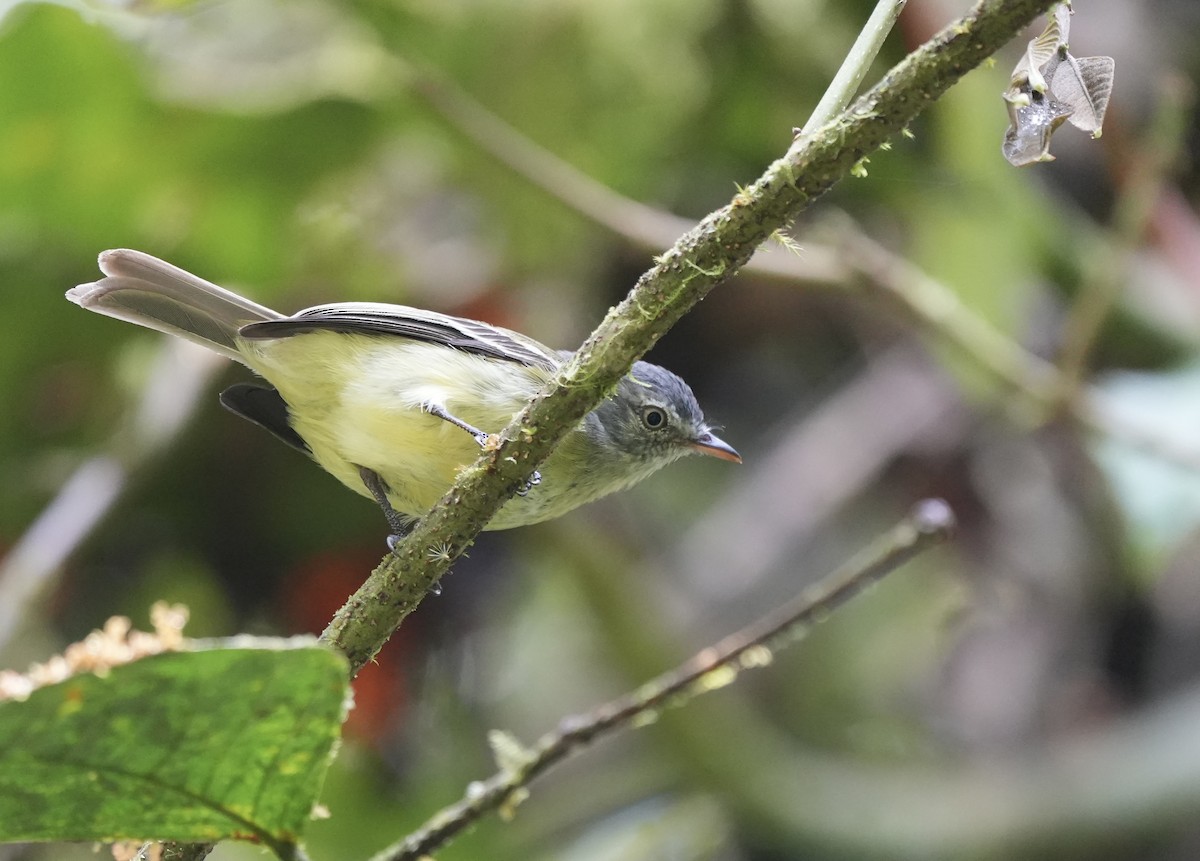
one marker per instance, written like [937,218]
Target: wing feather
[400,321]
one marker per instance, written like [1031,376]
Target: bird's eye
[654,418]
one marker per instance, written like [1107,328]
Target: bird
[394,401]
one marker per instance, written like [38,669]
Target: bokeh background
[1030,690]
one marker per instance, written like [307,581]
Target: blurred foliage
[279,147]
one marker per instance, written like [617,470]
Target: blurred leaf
[1161,501]
[94,158]
[192,746]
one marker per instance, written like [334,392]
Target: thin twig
[930,523]
[856,65]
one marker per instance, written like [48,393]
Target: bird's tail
[152,293]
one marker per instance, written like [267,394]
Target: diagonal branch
[706,256]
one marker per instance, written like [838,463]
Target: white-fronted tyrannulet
[394,401]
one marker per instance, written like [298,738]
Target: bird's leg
[438,410]
[395,520]
[484,440]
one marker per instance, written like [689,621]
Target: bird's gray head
[654,419]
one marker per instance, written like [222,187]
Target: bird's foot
[529,483]
[395,520]
[483,438]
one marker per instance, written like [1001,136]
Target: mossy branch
[704,257]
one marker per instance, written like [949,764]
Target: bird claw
[529,483]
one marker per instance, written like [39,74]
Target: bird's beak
[710,444]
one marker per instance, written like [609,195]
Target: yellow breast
[357,401]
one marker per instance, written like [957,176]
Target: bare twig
[857,63]
[930,523]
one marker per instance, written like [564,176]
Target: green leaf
[188,746]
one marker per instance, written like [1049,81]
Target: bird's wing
[370,318]
[264,406]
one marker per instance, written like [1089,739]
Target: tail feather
[142,289]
